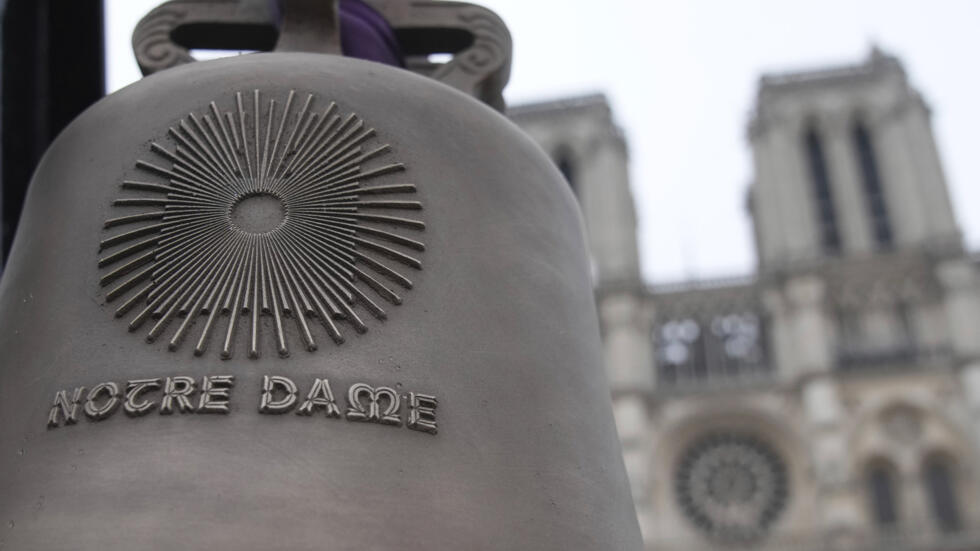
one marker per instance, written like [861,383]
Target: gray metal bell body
[235,317]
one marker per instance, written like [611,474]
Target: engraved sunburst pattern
[268,214]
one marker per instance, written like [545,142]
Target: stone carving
[731,486]
[902,423]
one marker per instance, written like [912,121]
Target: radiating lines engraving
[256,216]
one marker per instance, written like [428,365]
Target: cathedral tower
[832,398]
[846,165]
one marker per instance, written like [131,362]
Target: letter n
[62,407]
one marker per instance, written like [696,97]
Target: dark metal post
[53,68]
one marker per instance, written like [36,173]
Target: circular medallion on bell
[258,214]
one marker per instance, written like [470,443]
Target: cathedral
[830,400]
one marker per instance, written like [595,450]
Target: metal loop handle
[475,37]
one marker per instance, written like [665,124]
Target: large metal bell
[302,301]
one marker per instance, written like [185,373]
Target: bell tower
[861,261]
[590,151]
[846,165]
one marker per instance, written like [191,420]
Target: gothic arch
[871,436]
[941,474]
[821,186]
[883,490]
[871,176]
[735,415]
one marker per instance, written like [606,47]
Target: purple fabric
[365,34]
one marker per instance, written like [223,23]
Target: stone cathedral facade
[831,400]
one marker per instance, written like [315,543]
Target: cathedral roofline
[877,63]
[684,286]
[586,101]
[772,86]
[594,107]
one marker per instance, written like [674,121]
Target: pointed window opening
[820,180]
[883,494]
[939,481]
[874,196]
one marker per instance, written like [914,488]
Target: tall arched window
[564,159]
[882,482]
[822,193]
[874,197]
[937,474]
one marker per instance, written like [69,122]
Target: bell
[295,300]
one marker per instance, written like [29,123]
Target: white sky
[682,75]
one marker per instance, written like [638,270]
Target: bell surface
[296,301]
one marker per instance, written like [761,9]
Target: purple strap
[365,34]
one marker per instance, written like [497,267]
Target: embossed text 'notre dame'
[213,394]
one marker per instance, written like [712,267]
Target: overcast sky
[682,75]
